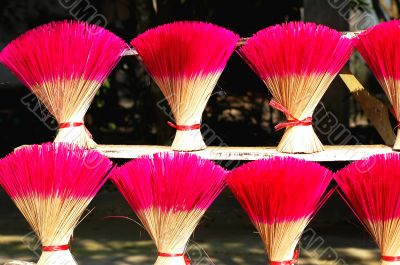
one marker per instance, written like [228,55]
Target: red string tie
[288,262]
[70,124]
[390,258]
[184,127]
[168,255]
[293,121]
[65,125]
[55,248]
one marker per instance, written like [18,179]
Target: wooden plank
[17,262]
[242,41]
[332,153]
[375,110]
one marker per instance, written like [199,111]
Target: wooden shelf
[332,153]
[242,41]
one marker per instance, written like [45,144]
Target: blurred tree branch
[376,4]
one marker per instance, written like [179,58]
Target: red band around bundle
[55,248]
[168,255]
[65,125]
[70,124]
[187,260]
[293,121]
[390,258]
[184,127]
[288,262]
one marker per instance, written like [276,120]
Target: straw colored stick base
[390,263]
[170,231]
[188,141]
[76,135]
[300,140]
[396,146]
[170,261]
[280,239]
[57,258]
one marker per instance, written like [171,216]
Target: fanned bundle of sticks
[52,184]
[186,60]
[296,62]
[170,194]
[64,64]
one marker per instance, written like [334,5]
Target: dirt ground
[225,236]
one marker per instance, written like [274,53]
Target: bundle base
[396,146]
[188,141]
[170,261]
[300,139]
[390,262]
[57,258]
[75,135]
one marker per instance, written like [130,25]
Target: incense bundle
[186,59]
[371,188]
[297,61]
[64,64]
[52,184]
[380,48]
[281,196]
[170,193]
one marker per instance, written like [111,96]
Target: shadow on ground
[225,236]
